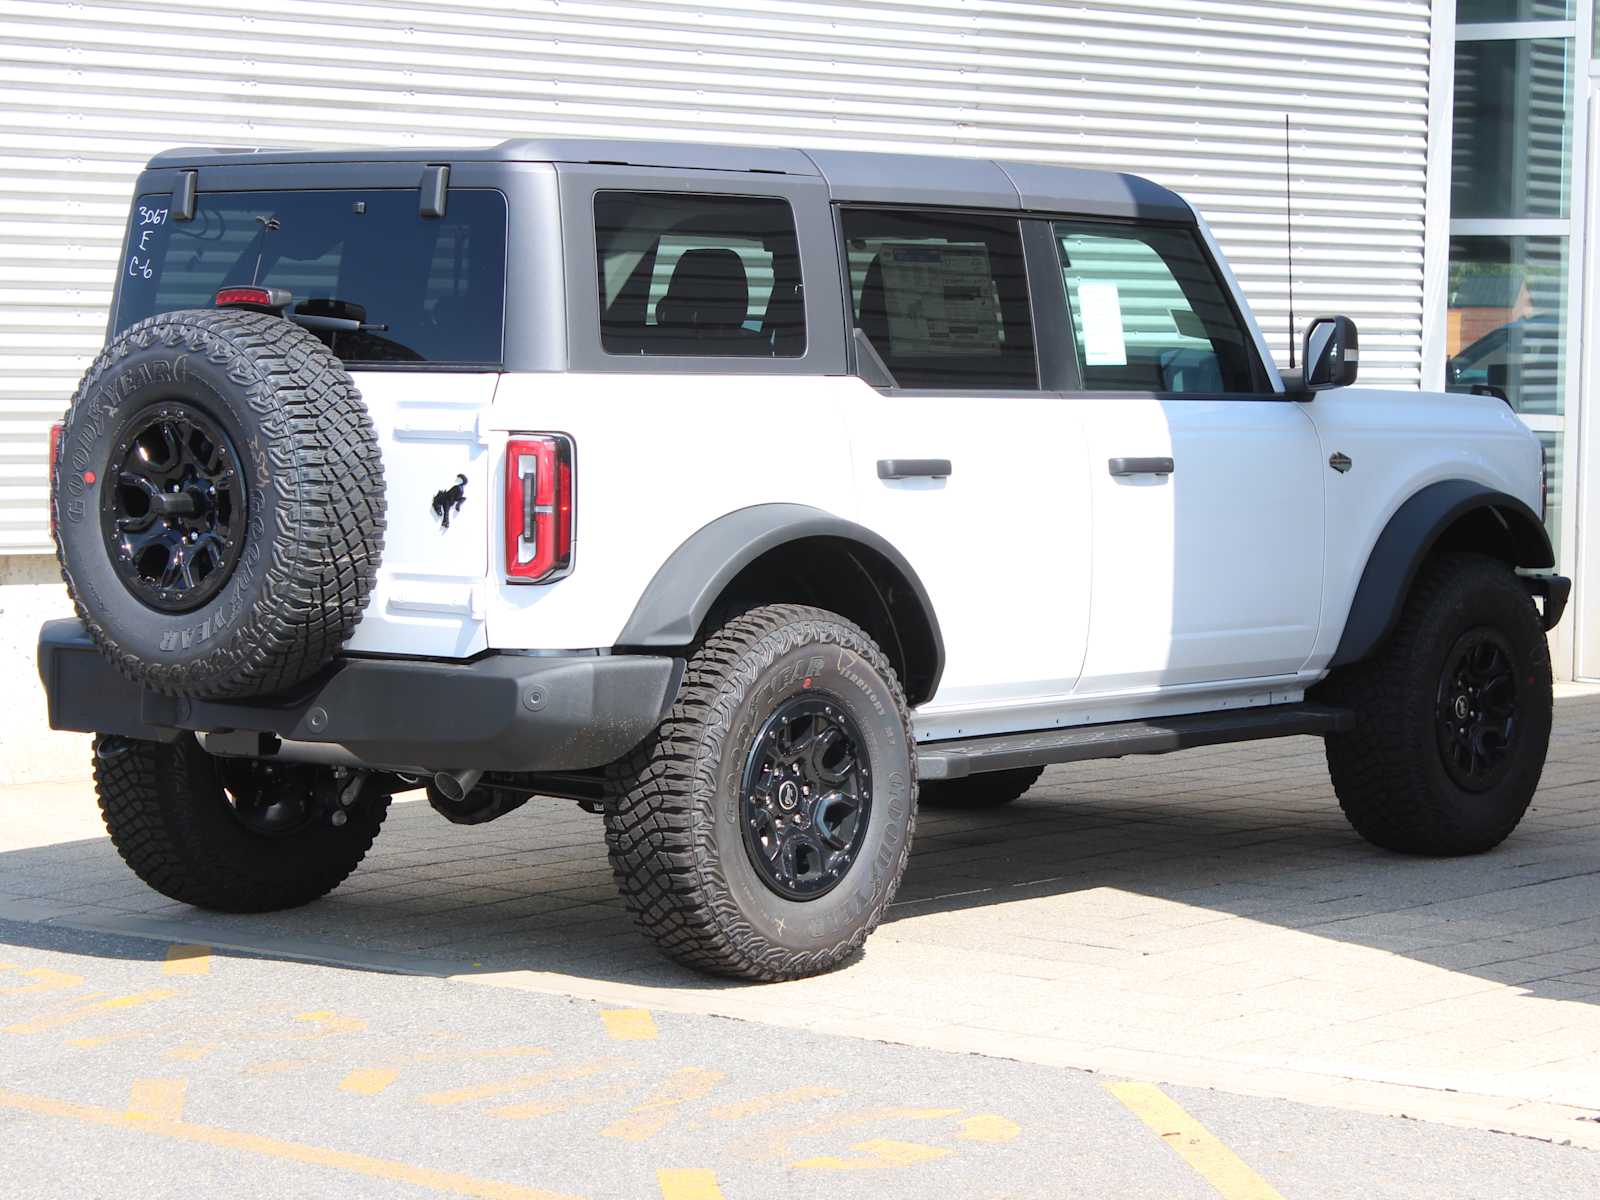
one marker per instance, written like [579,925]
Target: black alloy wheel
[173,513]
[1477,709]
[806,797]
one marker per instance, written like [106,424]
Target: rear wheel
[233,835]
[989,790]
[763,829]
[1452,718]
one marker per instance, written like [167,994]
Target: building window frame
[1571,228]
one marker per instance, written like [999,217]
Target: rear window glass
[427,290]
[717,276]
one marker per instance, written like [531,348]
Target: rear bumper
[499,712]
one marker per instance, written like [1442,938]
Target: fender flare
[1410,536]
[676,602]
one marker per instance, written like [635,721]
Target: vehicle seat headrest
[709,290]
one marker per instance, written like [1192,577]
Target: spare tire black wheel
[219,503]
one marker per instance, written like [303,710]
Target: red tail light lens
[55,469]
[539,515]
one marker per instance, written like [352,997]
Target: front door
[1207,485]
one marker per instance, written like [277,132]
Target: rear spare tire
[219,503]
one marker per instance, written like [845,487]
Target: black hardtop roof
[851,175]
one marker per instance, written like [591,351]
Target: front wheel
[1452,717]
[761,832]
[233,835]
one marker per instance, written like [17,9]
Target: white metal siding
[1190,92]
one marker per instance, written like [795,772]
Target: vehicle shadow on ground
[1249,831]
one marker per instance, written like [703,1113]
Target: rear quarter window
[702,276]
[430,291]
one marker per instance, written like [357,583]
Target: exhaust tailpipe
[454,785]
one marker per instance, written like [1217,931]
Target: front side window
[422,290]
[943,297]
[1149,313]
[715,276]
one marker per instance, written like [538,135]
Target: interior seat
[708,298]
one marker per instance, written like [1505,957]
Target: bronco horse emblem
[449,500]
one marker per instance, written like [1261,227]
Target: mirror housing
[1331,359]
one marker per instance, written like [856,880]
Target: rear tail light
[538,508]
[55,469]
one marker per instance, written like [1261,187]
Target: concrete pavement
[1203,919]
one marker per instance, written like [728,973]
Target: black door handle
[908,468]
[1140,466]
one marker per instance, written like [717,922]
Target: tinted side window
[429,290]
[698,275]
[943,297]
[1150,314]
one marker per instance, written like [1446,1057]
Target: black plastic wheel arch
[1410,536]
[686,587]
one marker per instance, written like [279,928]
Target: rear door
[1207,484]
[965,465]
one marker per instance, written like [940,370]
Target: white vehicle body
[753,499]
[1064,595]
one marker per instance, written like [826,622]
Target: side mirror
[1332,354]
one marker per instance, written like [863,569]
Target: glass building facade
[1510,330]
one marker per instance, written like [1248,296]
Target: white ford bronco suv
[748,497]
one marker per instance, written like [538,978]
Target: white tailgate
[430,598]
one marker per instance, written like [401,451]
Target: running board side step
[957,759]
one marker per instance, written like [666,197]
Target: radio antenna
[1288,214]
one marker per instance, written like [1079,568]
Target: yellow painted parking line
[448,1182]
[629,1024]
[878,1154]
[192,1051]
[368,1081]
[522,1083]
[530,1109]
[115,1004]
[688,1184]
[44,980]
[989,1127]
[157,1099]
[1219,1166]
[757,1105]
[655,1114]
[329,1024]
[187,960]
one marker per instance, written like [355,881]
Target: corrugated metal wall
[1190,92]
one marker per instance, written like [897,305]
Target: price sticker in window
[1100,309]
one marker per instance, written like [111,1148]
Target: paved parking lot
[1203,919]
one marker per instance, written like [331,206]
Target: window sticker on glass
[1100,308]
[940,299]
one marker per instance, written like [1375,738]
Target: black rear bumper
[498,712]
